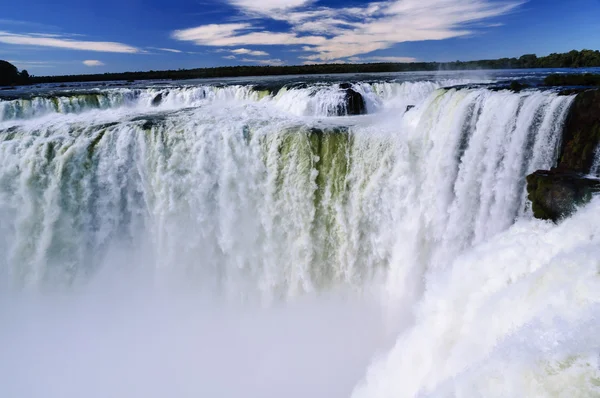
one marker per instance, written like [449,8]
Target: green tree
[528,61]
[9,74]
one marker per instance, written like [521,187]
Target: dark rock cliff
[354,103]
[556,193]
[581,134]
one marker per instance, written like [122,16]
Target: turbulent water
[595,170]
[234,240]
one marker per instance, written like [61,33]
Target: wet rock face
[578,79]
[517,86]
[555,194]
[354,102]
[581,134]
[156,101]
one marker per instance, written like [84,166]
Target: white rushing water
[299,100]
[231,242]
[595,169]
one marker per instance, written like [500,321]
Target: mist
[146,343]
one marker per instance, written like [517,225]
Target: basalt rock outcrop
[517,86]
[587,80]
[354,103]
[156,101]
[556,193]
[581,134]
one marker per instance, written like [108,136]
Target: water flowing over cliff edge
[240,240]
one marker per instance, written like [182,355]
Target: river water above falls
[262,240]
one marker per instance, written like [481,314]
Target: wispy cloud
[337,61]
[269,7]
[229,57]
[227,35]
[245,51]
[33,64]
[270,62]
[93,62]
[170,50]
[28,24]
[382,59]
[330,34]
[57,41]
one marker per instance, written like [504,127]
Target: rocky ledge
[581,134]
[354,103]
[556,193]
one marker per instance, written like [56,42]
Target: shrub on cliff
[10,75]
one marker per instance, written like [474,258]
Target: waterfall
[268,197]
[295,99]
[326,201]
[74,101]
[513,317]
[595,170]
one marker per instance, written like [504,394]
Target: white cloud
[269,7]
[393,59]
[206,34]
[45,35]
[42,40]
[245,51]
[382,59]
[32,64]
[229,57]
[332,34]
[270,62]
[171,50]
[229,35]
[93,62]
[337,61]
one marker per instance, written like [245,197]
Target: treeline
[10,75]
[572,59]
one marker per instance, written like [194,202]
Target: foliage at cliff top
[10,75]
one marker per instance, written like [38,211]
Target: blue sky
[91,36]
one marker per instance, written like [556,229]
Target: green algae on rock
[556,194]
[581,134]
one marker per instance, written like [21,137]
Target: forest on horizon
[9,75]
